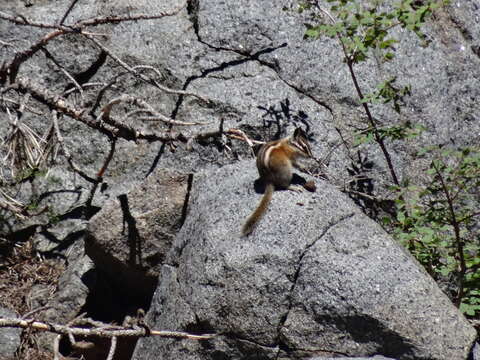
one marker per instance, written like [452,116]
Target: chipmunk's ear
[299,133]
[301,142]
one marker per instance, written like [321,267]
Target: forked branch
[102,330]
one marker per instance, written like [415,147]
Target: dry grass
[27,282]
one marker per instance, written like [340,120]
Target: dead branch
[165,119]
[133,71]
[36,149]
[64,17]
[24,21]
[66,152]
[146,108]
[240,135]
[4,43]
[65,72]
[211,134]
[117,18]
[108,159]
[104,331]
[11,69]
[17,105]
[109,127]
[113,345]
[167,89]
[56,347]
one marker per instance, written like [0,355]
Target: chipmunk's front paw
[296,188]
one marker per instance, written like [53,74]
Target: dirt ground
[27,283]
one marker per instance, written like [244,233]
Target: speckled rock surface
[316,277]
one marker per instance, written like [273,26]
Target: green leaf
[468,309]
[312,33]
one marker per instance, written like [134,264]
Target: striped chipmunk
[275,162]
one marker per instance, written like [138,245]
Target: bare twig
[165,119]
[11,69]
[15,103]
[103,90]
[111,128]
[56,347]
[167,89]
[349,59]
[462,267]
[84,86]
[116,18]
[72,4]
[34,311]
[78,344]
[101,172]
[66,152]
[468,217]
[104,331]
[4,43]
[147,108]
[24,21]
[64,71]
[113,346]
[132,70]
[240,135]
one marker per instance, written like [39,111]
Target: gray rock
[73,288]
[440,74]
[129,237]
[317,276]
[234,54]
[246,58]
[71,296]
[476,352]
[9,337]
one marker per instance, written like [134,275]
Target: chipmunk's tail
[259,211]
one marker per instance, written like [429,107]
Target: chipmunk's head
[300,142]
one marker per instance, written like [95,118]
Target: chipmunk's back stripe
[302,145]
[266,151]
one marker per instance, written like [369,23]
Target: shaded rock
[9,337]
[317,277]
[247,58]
[74,287]
[476,352]
[58,238]
[129,237]
[84,289]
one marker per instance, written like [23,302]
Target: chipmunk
[275,160]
